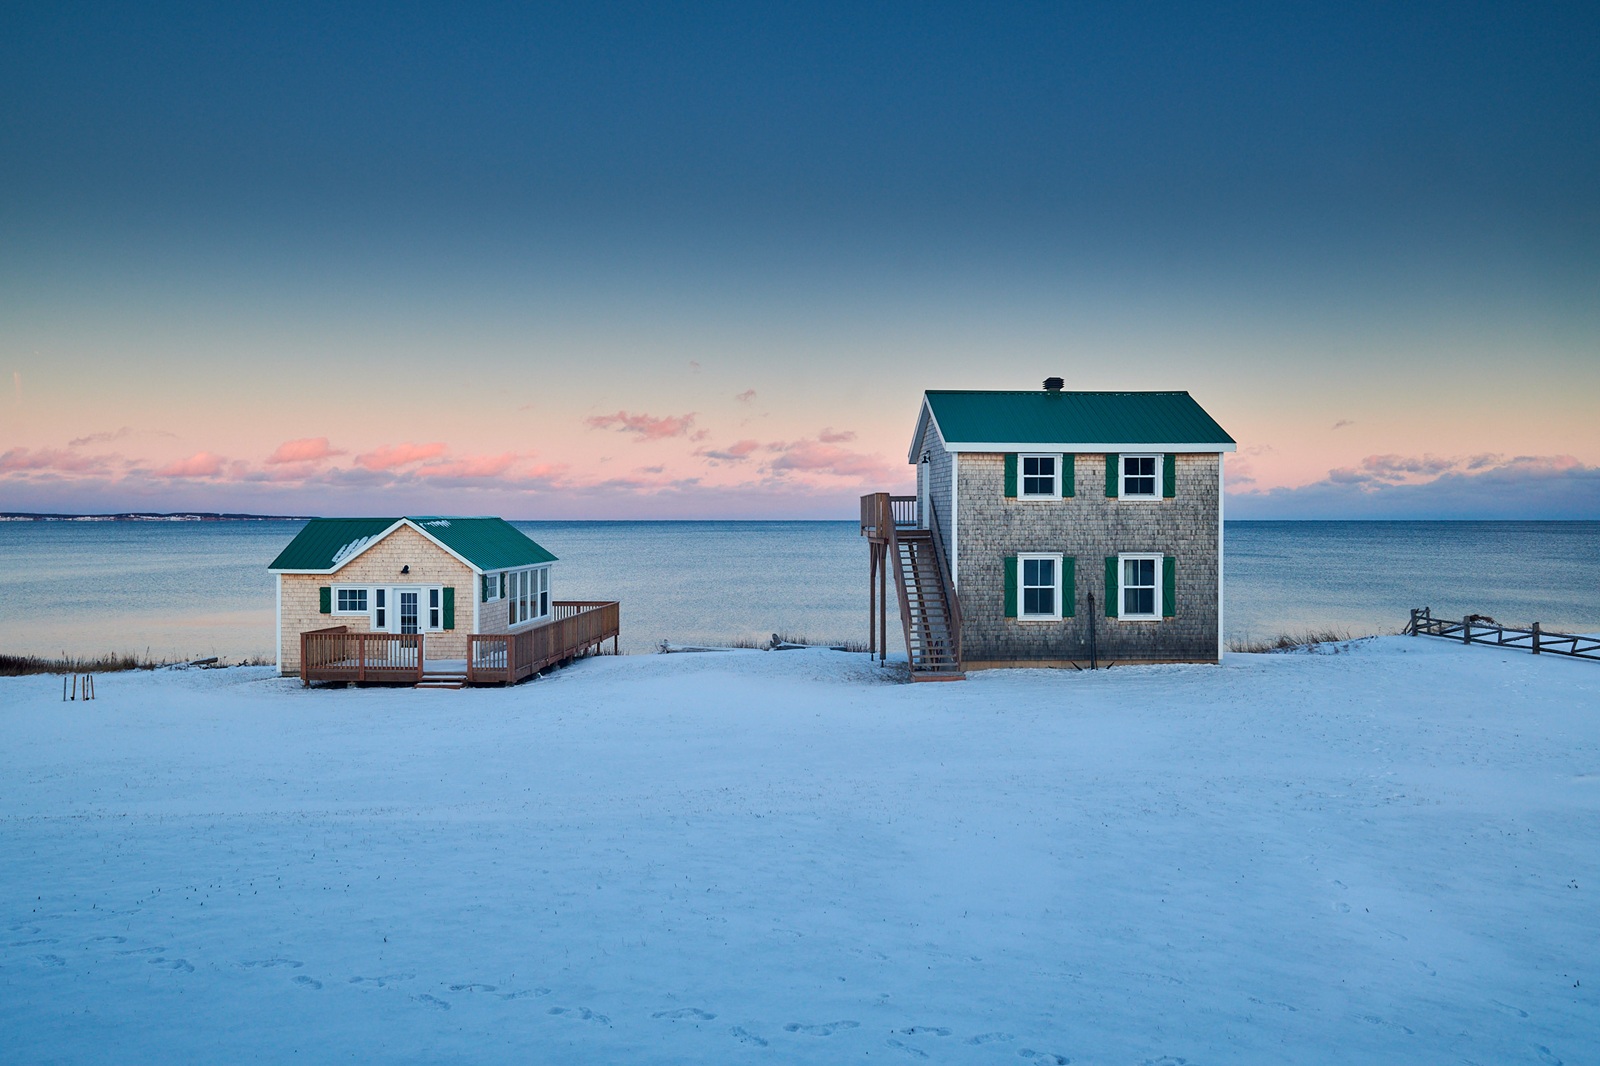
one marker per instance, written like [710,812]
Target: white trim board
[1038,447]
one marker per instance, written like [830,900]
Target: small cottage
[1054,528]
[438,601]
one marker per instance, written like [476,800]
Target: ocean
[182,590]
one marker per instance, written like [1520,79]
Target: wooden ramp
[930,613]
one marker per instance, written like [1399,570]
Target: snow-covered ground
[1387,855]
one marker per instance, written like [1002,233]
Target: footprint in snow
[1062,1060]
[1165,1060]
[180,965]
[919,1030]
[745,1036]
[34,943]
[916,1053]
[108,939]
[142,951]
[825,1029]
[270,963]
[308,982]
[524,993]
[51,960]
[1509,1009]
[684,1012]
[384,981]
[431,1001]
[581,1012]
[1373,1019]
[1547,1056]
[985,1038]
[472,988]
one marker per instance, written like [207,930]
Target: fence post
[1536,638]
[1466,629]
[1412,629]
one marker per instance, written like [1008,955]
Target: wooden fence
[577,627]
[1477,629]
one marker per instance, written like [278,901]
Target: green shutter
[1169,475]
[1111,477]
[1069,587]
[449,607]
[1111,586]
[1069,475]
[1169,587]
[325,599]
[1011,476]
[1011,583]
[483,589]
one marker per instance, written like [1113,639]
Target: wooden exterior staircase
[930,613]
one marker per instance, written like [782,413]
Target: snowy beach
[1390,854]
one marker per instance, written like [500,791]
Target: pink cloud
[304,450]
[472,466]
[820,457]
[200,464]
[18,460]
[829,436]
[390,456]
[645,427]
[733,453]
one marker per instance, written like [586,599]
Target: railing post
[305,676]
[421,638]
[1536,638]
[1466,629]
[1412,629]
[361,657]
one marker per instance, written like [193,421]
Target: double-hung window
[1039,586]
[1141,582]
[1141,477]
[1041,476]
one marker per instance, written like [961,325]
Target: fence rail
[578,626]
[336,654]
[1479,629]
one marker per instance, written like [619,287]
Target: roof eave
[1086,448]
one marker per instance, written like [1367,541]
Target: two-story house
[1054,528]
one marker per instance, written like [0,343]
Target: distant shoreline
[149,516]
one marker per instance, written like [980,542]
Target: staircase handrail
[951,599]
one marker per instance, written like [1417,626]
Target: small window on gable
[1041,477]
[1140,477]
[351,601]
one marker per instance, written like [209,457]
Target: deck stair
[445,679]
[930,613]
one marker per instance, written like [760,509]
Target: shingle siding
[1088,527]
[938,473]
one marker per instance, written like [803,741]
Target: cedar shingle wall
[380,565]
[1088,527]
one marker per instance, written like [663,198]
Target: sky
[700,261]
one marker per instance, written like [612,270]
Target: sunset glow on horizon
[702,263]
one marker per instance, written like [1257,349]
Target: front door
[407,604]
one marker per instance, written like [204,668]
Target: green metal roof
[1111,419]
[325,544]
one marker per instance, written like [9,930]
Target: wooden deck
[579,627]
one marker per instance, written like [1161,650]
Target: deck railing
[336,654]
[576,627]
[880,512]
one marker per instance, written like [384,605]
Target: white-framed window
[1039,586]
[380,609]
[435,609]
[1139,591]
[528,593]
[1040,477]
[1141,477]
[348,600]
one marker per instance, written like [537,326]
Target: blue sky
[699,261]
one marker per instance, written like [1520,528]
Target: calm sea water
[182,590]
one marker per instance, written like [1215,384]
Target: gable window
[1039,582]
[1041,477]
[1141,577]
[1139,477]
[350,601]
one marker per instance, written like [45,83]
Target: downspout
[278,655]
[955,521]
